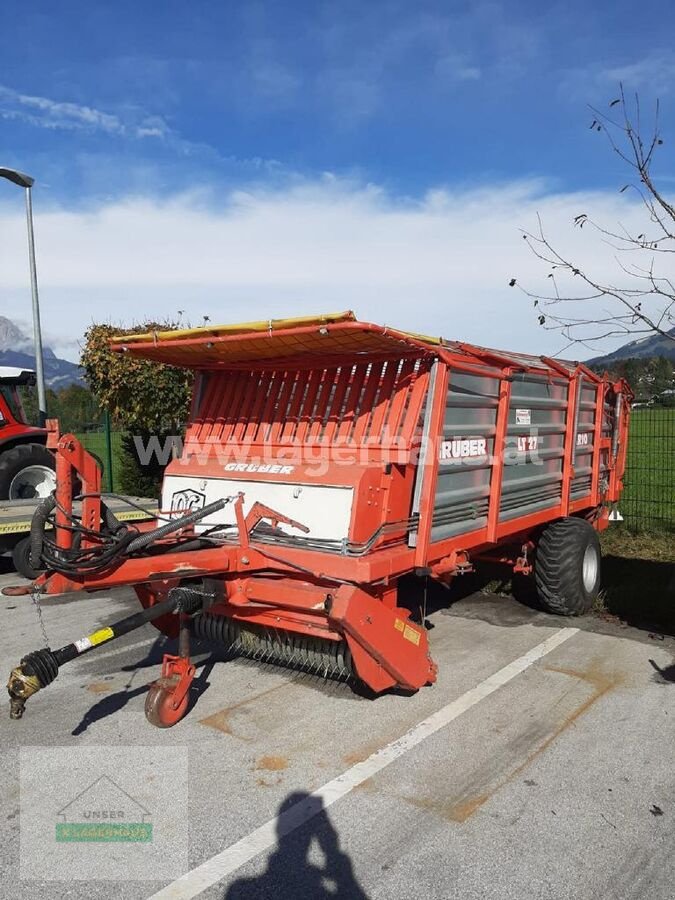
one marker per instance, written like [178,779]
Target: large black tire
[14,461]
[567,567]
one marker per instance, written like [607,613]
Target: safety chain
[35,592]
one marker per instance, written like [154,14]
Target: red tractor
[26,465]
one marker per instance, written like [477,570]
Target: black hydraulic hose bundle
[43,515]
[117,543]
[37,529]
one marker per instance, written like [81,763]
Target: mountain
[16,349]
[654,345]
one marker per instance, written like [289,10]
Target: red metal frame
[573,392]
[501,428]
[431,468]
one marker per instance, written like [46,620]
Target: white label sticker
[584,439]
[462,448]
[82,645]
[263,469]
[523,417]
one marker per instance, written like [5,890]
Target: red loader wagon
[324,459]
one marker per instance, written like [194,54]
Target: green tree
[140,396]
[79,410]
[29,401]
[143,399]
[663,374]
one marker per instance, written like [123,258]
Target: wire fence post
[108,450]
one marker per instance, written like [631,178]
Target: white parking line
[243,851]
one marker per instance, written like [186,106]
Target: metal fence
[648,501]
[100,439]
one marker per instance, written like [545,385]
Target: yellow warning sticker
[412,635]
[399,624]
[100,636]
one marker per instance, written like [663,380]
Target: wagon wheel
[159,709]
[567,567]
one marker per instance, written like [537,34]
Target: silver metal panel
[463,483]
[583,460]
[532,476]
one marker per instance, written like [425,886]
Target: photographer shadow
[290,872]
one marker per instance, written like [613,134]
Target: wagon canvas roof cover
[271,339]
[331,334]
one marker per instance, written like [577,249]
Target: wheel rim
[33,482]
[159,709]
[589,571]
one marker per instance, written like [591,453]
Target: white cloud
[44,112]
[439,264]
[132,124]
[652,76]
[655,73]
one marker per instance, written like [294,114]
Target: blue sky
[105,103]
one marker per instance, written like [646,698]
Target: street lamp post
[25,181]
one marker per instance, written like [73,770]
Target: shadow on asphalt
[638,603]
[637,594]
[113,703]
[107,706]
[663,675]
[6,565]
[640,592]
[290,872]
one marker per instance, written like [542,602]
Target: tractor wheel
[567,567]
[159,709]
[21,560]
[26,472]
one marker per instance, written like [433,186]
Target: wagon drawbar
[324,459]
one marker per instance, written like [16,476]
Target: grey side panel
[463,483]
[583,457]
[532,479]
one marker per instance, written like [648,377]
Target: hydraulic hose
[39,521]
[37,529]
[113,524]
[149,537]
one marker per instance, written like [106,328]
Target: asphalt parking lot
[539,766]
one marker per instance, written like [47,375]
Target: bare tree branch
[644,302]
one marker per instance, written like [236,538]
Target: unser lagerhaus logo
[104,812]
